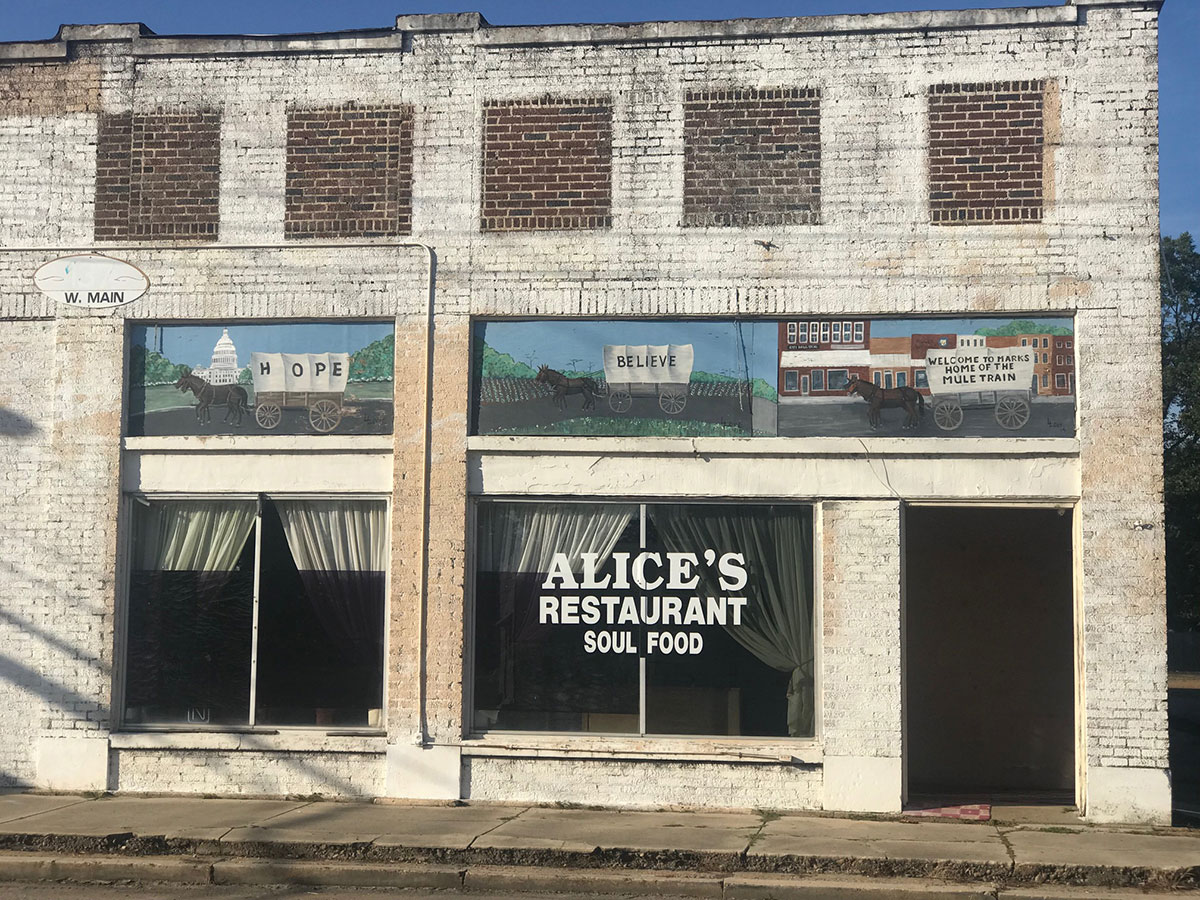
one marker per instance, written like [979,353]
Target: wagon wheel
[672,401]
[268,415]
[947,415]
[620,401]
[1012,412]
[324,415]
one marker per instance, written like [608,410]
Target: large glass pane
[534,666]
[320,619]
[190,607]
[736,657]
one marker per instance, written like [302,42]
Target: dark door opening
[989,653]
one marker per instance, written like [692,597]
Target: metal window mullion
[642,655]
[254,613]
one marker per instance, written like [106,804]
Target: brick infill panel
[158,176]
[985,152]
[547,165]
[349,171]
[752,157]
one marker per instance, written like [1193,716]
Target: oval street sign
[92,281]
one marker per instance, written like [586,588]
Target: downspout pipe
[420,737]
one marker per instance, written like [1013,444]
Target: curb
[22,867]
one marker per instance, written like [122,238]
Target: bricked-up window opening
[349,172]
[644,618]
[158,176]
[985,152]
[547,165]
[267,612]
[752,157]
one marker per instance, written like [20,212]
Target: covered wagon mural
[804,377]
[274,378]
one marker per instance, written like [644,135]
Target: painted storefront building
[751,449]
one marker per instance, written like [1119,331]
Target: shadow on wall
[13,424]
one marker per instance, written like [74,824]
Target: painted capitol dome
[224,368]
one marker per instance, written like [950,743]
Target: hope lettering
[335,368]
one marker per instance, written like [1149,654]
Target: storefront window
[256,612]
[644,619]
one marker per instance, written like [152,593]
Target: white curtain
[777,624]
[523,537]
[340,551]
[192,535]
[335,535]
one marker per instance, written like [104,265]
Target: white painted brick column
[861,649]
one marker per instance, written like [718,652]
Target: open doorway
[989,654]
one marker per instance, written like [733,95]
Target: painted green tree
[1023,326]
[148,367]
[374,362]
[501,365]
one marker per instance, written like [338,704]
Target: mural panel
[277,378]
[803,377]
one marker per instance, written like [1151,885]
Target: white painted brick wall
[641,783]
[276,773]
[860,628]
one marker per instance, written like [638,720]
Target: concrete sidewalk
[403,845]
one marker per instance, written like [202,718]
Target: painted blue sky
[1179,35]
[720,348]
[192,345]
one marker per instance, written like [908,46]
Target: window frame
[470,582]
[120,670]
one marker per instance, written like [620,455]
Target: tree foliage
[147,367]
[1023,326]
[375,361]
[501,365]
[1180,293]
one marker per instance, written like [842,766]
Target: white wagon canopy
[648,370]
[315,382]
[980,376]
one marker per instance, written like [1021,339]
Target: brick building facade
[446,172]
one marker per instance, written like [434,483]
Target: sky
[192,345]
[1179,36]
